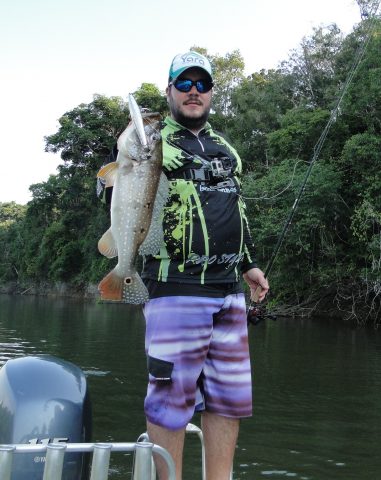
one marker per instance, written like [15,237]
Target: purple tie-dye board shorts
[198,359]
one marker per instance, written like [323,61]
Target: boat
[46,423]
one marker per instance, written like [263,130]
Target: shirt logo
[226,258]
[207,188]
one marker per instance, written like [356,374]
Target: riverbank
[316,306]
[57,289]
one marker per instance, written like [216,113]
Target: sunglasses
[185,85]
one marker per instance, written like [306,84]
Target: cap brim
[182,70]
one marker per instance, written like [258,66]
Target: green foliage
[311,241]
[150,97]
[228,72]
[360,163]
[87,134]
[312,66]
[362,104]
[11,242]
[258,104]
[299,131]
[10,213]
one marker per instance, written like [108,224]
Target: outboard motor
[44,399]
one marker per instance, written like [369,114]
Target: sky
[56,54]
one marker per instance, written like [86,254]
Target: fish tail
[126,289]
[134,290]
[111,287]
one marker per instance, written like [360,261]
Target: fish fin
[126,289]
[134,290]
[155,235]
[107,245]
[111,287]
[108,173]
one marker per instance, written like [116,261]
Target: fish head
[151,123]
[129,144]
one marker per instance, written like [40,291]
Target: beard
[192,123]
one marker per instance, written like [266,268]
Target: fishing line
[279,193]
[319,144]
[254,312]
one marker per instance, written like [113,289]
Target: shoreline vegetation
[57,289]
[313,307]
[330,259]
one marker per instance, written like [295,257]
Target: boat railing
[143,468]
[190,429]
[101,452]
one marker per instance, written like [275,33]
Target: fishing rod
[256,312]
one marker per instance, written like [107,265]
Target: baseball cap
[191,59]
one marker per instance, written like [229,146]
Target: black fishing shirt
[206,235]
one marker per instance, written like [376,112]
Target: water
[317,387]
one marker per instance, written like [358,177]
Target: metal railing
[100,460]
[143,469]
[197,431]
[190,428]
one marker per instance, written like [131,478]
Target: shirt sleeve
[250,258]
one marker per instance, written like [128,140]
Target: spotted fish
[139,193]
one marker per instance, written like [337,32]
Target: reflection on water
[317,386]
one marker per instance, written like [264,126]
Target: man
[196,336]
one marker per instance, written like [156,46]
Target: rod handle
[255,295]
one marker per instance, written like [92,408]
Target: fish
[140,191]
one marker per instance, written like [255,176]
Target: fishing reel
[257,313]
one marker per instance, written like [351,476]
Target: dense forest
[330,259]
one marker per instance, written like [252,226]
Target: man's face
[190,109]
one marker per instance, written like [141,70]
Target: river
[317,386]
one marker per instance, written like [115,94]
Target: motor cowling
[44,399]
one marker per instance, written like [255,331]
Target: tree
[11,241]
[313,67]
[306,262]
[11,212]
[361,108]
[367,8]
[87,133]
[258,104]
[299,131]
[150,97]
[228,72]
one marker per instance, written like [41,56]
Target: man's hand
[258,284]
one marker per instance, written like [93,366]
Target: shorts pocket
[161,370]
